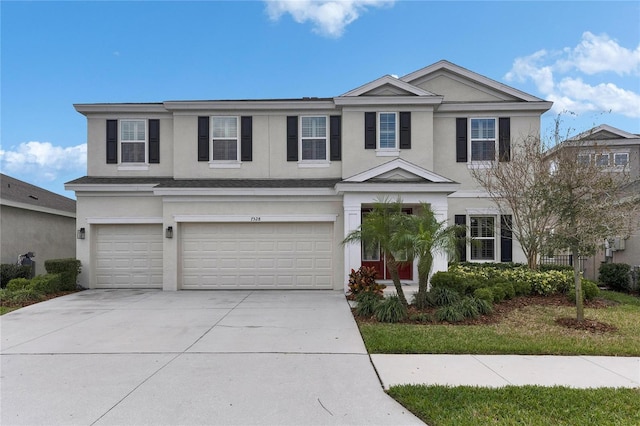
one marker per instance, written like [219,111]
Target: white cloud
[329,18]
[44,158]
[575,79]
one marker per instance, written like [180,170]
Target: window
[483,139]
[313,138]
[388,130]
[584,159]
[225,139]
[602,160]
[370,251]
[483,244]
[621,159]
[133,141]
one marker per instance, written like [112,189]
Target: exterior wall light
[80,234]
[169,232]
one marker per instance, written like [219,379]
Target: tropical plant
[364,281]
[384,225]
[391,309]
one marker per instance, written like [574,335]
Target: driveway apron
[120,357]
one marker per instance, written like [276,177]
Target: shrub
[442,296]
[421,300]
[47,284]
[507,287]
[366,303]
[469,308]
[615,276]
[485,307]
[364,280]
[483,294]
[69,269]
[24,295]
[450,313]
[498,294]
[449,279]
[9,271]
[391,309]
[590,291]
[17,284]
[522,288]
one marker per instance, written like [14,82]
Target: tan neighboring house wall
[36,220]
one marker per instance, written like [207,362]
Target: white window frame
[582,162]
[471,139]
[601,155]
[227,163]
[395,150]
[494,238]
[313,162]
[615,159]
[133,165]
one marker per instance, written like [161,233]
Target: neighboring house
[259,194]
[616,151]
[35,220]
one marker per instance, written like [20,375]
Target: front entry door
[373,257]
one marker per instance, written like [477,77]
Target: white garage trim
[128,256]
[255,218]
[122,220]
[258,255]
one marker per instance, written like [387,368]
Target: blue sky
[584,56]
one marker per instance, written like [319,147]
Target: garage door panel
[129,256]
[262,255]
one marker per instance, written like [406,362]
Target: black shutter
[461,140]
[203,138]
[461,219]
[246,139]
[504,139]
[506,239]
[154,141]
[405,130]
[369,130]
[335,138]
[292,138]
[112,141]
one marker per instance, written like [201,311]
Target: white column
[352,252]
[170,256]
[440,260]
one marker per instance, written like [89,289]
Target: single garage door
[129,256]
[257,255]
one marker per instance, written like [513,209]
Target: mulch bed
[32,302]
[502,309]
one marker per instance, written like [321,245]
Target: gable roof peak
[388,80]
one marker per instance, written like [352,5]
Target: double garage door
[219,256]
[257,255]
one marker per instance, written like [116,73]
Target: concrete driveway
[120,357]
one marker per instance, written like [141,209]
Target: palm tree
[425,236]
[384,226]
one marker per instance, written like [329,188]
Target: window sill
[133,167]
[480,165]
[312,165]
[387,152]
[223,165]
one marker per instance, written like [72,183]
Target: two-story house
[259,194]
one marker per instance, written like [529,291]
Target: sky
[582,55]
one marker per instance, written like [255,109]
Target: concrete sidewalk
[503,370]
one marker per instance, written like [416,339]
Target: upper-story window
[313,138]
[483,139]
[133,141]
[225,138]
[621,159]
[388,133]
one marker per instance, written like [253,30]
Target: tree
[589,202]
[425,236]
[384,225]
[520,187]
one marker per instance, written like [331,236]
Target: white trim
[388,100]
[398,163]
[123,220]
[257,218]
[541,106]
[398,187]
[382,152]
[388,80]
[311,164]
[326,140]
[133,167]
[96,187]
[310,104]
[489,211]
[470,193]
[482,164]
[212,130]
[225,165]
[396,131]
[259,192]
[32,207]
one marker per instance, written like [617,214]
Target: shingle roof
[163,182]
[12,189]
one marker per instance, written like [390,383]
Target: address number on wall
[255,218]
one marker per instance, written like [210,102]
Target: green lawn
[530,330]
[6,309]
[520,405]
